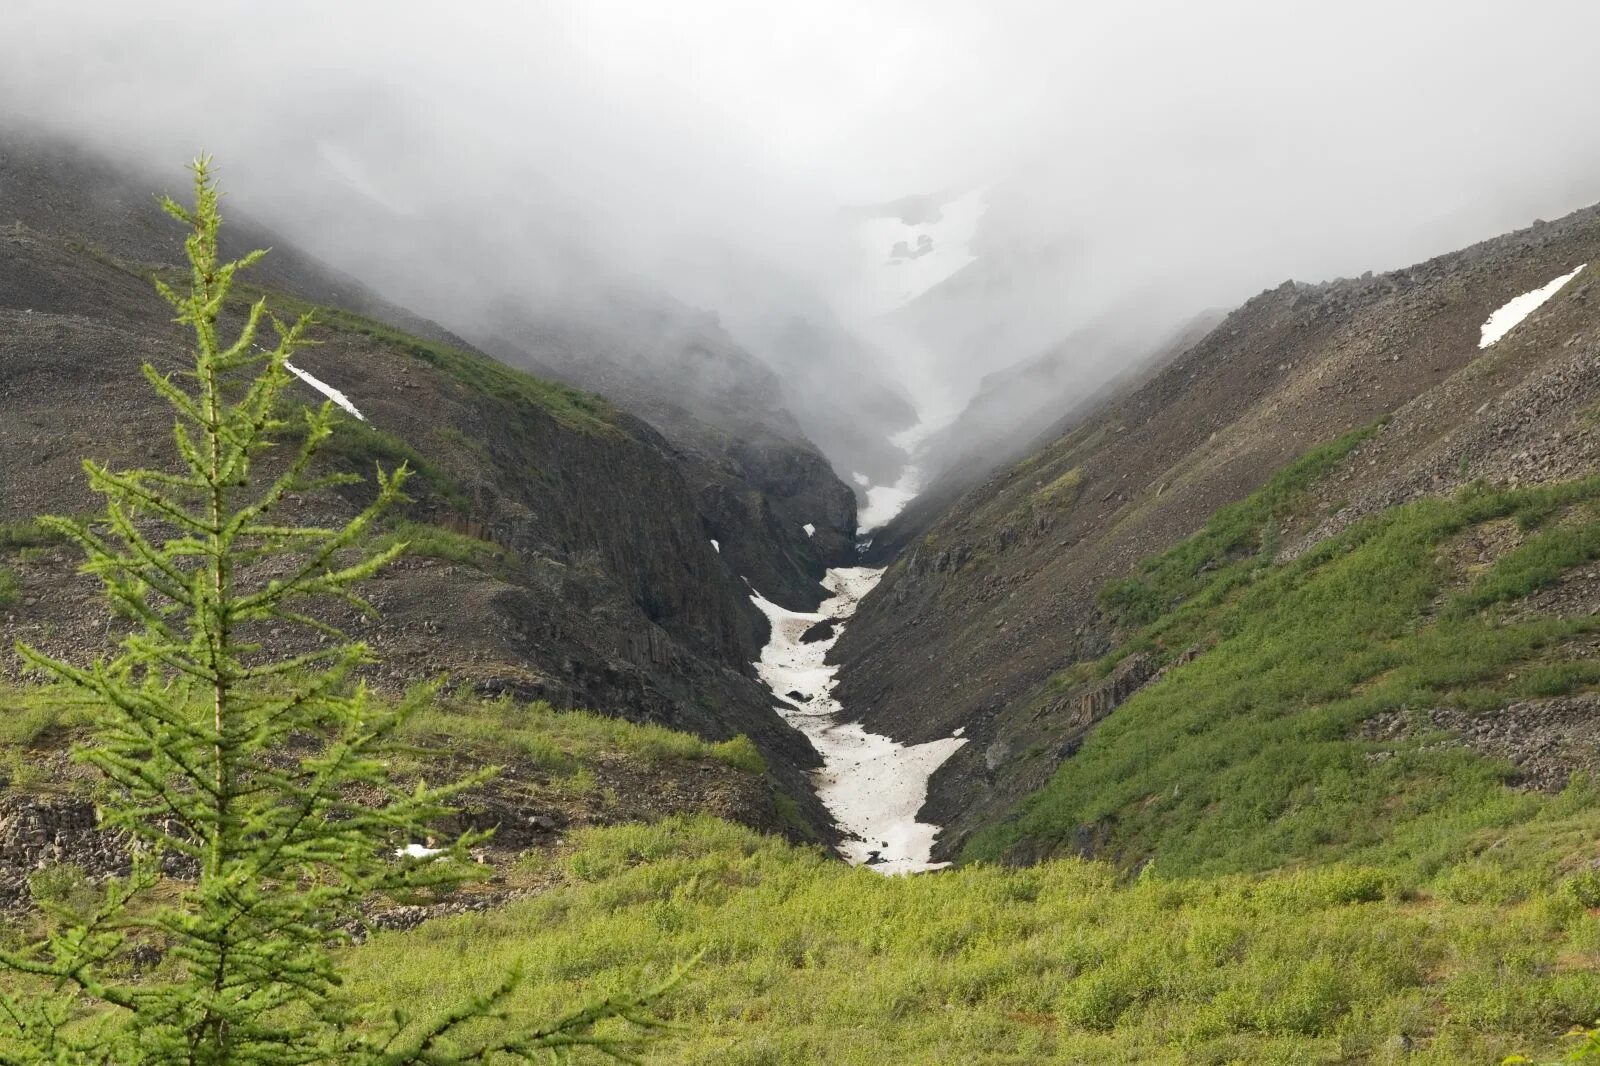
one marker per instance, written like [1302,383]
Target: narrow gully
[871,784]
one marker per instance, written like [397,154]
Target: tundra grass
[560,738]
[29,533]
[1250,758]
[808,961]
[33,714]
[39,715]
[1235,540]
[429,541]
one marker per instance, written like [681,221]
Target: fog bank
[753,159]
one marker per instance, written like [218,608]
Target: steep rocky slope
[755,476]
[565,545]
[1018,410]
[757,479]
[1002,593]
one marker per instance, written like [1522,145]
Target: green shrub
[1537,562]
[1584,887]
[562,739]
[360,447]
[31,713]
[436,542]
[63,885]
[29,533]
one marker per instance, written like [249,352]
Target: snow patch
[958,730]
[716,546]
[873,785]
[327,390]
[417,851]
[904,260]
[810,529]
[861,479]
[886,501]
[1508,317]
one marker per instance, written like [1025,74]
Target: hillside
[995,619]
[563,547]
[1270,677]
[757,479]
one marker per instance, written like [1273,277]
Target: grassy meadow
[808,961]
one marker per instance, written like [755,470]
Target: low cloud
[459,155]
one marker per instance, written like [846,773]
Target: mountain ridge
[1000,594]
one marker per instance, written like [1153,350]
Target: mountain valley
[1237,702]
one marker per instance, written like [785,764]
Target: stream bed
[872,785]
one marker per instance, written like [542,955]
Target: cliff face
[591,579]
[1001,594]
[757,479]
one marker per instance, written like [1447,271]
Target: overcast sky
[1211,149]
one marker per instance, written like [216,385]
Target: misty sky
[1205,150]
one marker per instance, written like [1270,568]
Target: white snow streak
[886,501]
[717,546]
[327,390]
[873,786]
[1507,318]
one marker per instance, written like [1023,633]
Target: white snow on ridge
[903,260]
[327,390]
[1508,317]
[872,785]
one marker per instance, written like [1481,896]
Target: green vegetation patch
[808,961]
[571,407]
[25,534]
[1239,538]
[1249,757]
[559,739]
[497,729]
[436,542]
[1062,492]
[31,714]
[360,447]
